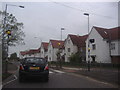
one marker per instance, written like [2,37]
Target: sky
[43,20]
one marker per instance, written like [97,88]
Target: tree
[75,58]
[16,34]
[15,28]
[13,56]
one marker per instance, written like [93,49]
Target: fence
[92,65]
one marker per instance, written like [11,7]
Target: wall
[73,48]
[116,51]
[102,48]
[50,52]
[42,51]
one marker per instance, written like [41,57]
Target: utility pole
[88,43]
[5,43]
[60,49]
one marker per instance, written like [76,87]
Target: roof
[78,40]
[111,34]
[55,43]
[32,51]
[23,52]
[45,45]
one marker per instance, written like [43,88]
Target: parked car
[33,67]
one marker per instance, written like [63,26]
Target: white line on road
[58,71]
[0,87]
[15,78]
[50,72]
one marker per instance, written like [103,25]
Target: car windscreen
[35,60]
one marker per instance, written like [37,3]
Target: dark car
[33,67]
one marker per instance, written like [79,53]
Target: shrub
[75,58]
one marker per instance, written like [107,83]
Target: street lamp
[61,32]
[86,14]
[8,32]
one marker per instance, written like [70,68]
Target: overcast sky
[44,20]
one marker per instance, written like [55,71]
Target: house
[74,44]
[30,53]
[23,54]
[53,47]
[44,50]
[104,49]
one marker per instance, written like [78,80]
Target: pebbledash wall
[52,53]
[101,53]
[73,48]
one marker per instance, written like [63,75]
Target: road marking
[58,71]
[50,72]
[1,87]
[15,78]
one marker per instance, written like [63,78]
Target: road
[57,79]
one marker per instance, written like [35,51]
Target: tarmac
[101,74]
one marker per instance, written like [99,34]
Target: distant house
[23,54]
[104,49]
[30,53]
[44,50]
[53,48]
[74,44]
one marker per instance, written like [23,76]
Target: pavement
[101,74]
[12,67]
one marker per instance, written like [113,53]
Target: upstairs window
[112,46]
[69,41]
[49,51]
[68,49]
[93,46]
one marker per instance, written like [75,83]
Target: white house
[114,38]
[53,48]
[105,45]
[44,50]
[30,53]
[73,44]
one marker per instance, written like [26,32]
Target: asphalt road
[57,79]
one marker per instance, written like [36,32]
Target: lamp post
[8,33]
[86,14]
[61,32]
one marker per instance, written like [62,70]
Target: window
[93,46]
[68,49]
[49,51]
[34,60]
[112,46]
[49,58]
[69,41]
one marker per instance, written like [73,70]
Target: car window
[35,60]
